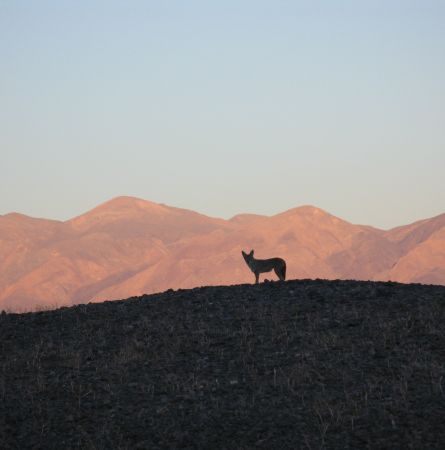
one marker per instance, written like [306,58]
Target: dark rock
[317,364]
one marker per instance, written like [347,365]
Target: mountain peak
[125,202]
[310,209]
[16,216]
[306,210]
[116,208]
[19,218]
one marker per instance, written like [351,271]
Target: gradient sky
[224,107]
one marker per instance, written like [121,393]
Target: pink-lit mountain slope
[55,263]
[129,246]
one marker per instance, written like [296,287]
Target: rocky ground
[299,364]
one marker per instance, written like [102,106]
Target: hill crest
[247,366]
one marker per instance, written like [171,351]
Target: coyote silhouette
[258,266]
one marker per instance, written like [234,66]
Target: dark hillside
[300,364]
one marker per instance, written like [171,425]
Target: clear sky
[224,106]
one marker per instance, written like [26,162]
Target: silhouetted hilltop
[297,364]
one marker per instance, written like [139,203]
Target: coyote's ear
[251,252]
[242,252]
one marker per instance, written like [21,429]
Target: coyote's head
[247,256]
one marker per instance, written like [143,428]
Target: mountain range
[128,246]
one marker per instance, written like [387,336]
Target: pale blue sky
[224,107]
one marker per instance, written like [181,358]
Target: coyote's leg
[279,272]
[257,277]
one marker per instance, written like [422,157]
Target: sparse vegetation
[299,364]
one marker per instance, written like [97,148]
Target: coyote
[258,266]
